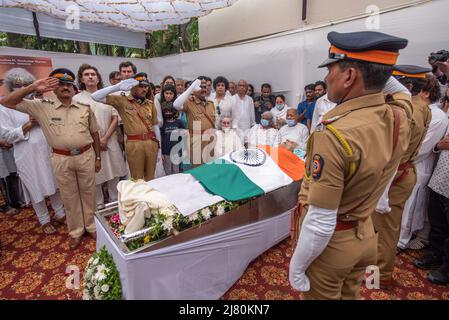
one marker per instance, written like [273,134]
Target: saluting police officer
[351,157]
[70,129]
[388,216]
[139,122]
[200,114]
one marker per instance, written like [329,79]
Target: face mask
[291,122]
[280,106]
[264,122]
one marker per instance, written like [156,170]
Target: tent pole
[304,10]
[36,28]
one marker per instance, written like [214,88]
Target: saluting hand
[128,84]
[45,85]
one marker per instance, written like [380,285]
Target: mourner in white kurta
[227,139]
[415,210]
[32,158]
[112,164]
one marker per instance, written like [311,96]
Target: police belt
[142,137]
[72,152]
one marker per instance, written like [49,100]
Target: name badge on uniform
[56,119]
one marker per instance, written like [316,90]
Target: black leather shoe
[428,261]
[440,275]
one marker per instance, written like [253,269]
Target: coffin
[256,209]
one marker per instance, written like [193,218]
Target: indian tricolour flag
[224,179]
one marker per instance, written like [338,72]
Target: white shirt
[299,134]
[243,114]
[322,106]
[279,114]
[225,106]
[265,137]
[31,154]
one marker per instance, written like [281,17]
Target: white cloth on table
[137,201]
[243,113]
[112,163]
[184,192]
[322,106]
[31,154]
[203,268]
[415,209]
[226,142]
[260,136]
[298,133]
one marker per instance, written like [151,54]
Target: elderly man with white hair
[293,130]
[227,139]
[264,133]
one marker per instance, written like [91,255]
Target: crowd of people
[75,147]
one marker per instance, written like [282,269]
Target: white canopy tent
[112,22]
[288,61]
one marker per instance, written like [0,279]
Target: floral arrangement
[169,221]
[101,278]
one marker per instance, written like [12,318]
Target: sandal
[417,244]
[48,228]
[10,211]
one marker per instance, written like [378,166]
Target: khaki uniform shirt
[367,124]
[127,108]
[195,110]
[64,127]
[421,120]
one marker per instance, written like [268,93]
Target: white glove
[179,102]
[316,231]
[127,84]
[383,205]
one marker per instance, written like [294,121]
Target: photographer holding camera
[440,65]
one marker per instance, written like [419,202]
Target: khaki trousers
[388,225]
[142,157]
[338,272]
[76,180]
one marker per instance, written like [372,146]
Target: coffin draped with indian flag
[228,178]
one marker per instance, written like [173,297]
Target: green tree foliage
[176,39]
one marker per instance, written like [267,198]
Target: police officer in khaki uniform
[70,129]
[139,122]
[388,215]
[200,114]
[351,157]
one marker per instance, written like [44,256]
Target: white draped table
[204,268]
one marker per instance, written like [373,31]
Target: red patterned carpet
[33,266]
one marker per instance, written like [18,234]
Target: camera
[439,56]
